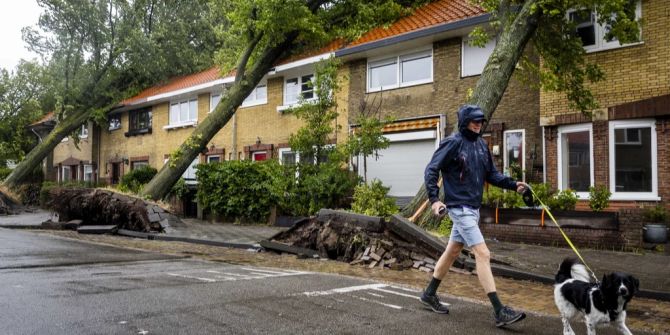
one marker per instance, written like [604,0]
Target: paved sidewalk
[224,232]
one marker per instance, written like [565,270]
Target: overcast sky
[14,15]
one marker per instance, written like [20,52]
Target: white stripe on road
[378,302]
[208,280]
[343,290]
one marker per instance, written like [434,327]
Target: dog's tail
[571,268]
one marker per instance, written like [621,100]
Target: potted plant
[655,230]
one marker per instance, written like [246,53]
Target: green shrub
[497,197]
[444,228]
[47,186]
[543,193]
[240,190]
[599,198]
[134,180]
[656,214]
[565,200]
[373,200]
[311,187]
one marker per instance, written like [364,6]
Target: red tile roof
[432,14]
[177,83]
[47,117]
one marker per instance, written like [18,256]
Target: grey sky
[14,15]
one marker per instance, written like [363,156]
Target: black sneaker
[507,316]
[433,302]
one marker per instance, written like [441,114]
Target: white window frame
[68,174]
[624,124]
[299,78]
[115,116]
[191,120]
[209,158]
[475,53]
[600,32]
[253,98]
[398,60]
[88,172]
[559,154]
[83,131]
[212,97]
[190,171]
[138,164]
[282,151]
[523,150]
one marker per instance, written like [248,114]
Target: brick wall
[517,110]
[551,236]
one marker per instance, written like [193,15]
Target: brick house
[419,71]
[625,145]
[68,161]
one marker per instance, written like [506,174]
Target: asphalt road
[50,285]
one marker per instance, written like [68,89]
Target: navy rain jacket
[465,162]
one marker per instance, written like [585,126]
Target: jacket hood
[468,113]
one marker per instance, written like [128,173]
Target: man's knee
[481,252]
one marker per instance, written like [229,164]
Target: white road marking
[343,290]
[208,280]
[375,295]
[228,275]
[378,302]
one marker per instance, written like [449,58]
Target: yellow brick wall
[262,121]
[633,72]
[67,149]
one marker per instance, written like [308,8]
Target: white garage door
[401,166]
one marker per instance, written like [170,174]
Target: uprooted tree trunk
[100,207]
[490,87]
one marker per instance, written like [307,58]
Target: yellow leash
[565,236]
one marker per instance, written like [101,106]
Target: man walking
[465,162]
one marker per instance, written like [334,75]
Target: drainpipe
[234,140]
[544,159]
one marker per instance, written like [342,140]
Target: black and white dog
[601,303]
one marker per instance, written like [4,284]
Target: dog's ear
[636,284]
[606,283]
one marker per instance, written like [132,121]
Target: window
[514,152]
[83,132]
[633,159]
[593,34]
[184,112]
[88,173]
[400,71]
[138,164]
[214,101]
[189,174]
[213,158]
[575,159]
[140,121]
[66,173]
[473,58]
[294,88]
[114,122]
[287,157]
[258,96]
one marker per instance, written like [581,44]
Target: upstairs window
[258,96]
[297,87]
[400,71]
[114,122]
[214,101]
[83,132]
[593,34]
[140,122]
[184,111]
[474,58]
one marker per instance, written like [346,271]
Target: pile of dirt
[339,238]
[7,204]
[102,207]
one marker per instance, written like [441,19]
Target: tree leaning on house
[545,26]
[100,51]
[261,33]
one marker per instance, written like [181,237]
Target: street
[52,285]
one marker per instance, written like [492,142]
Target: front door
[116,173]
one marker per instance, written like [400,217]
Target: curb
[160,237]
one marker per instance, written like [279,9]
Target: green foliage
[599,197]
[47,186]
[543,192]
[497,197]
[328,185]
[373,200]
[241,190]
[564,68]
[564,200]
[445,226]
[655,214]
[515,171]
[4,172]
[318,115]
[134,180]
[179,189]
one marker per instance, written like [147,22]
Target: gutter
[468,22]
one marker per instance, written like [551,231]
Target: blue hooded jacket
[465,162]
